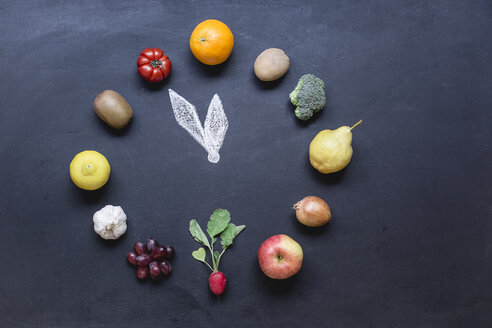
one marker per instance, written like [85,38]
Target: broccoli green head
[308,96]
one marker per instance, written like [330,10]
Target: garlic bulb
[110,222]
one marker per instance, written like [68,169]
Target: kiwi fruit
[113,109]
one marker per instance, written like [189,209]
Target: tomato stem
[156,63]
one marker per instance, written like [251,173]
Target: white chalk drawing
[211,135]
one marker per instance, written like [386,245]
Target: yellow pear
[331,150]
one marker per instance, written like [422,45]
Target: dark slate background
[410,241]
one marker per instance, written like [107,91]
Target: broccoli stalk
[308,96]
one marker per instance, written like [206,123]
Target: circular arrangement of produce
[280,256]
[246,164]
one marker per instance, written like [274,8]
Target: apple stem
[353,126]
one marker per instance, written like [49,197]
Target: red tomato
[153,65]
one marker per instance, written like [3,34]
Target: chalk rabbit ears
[211,135]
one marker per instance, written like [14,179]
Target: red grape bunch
[151,258]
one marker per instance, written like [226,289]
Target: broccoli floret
[308,96]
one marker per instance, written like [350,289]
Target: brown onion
[312,211]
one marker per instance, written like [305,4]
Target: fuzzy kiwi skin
[113,109]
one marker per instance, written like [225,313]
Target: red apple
[280,257]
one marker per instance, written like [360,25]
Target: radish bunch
[218,226]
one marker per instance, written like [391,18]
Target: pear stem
[353,126]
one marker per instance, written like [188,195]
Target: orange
[211,42]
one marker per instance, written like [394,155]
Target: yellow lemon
[89,170]
[331,150]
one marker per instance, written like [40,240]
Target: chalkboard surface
[409,245]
